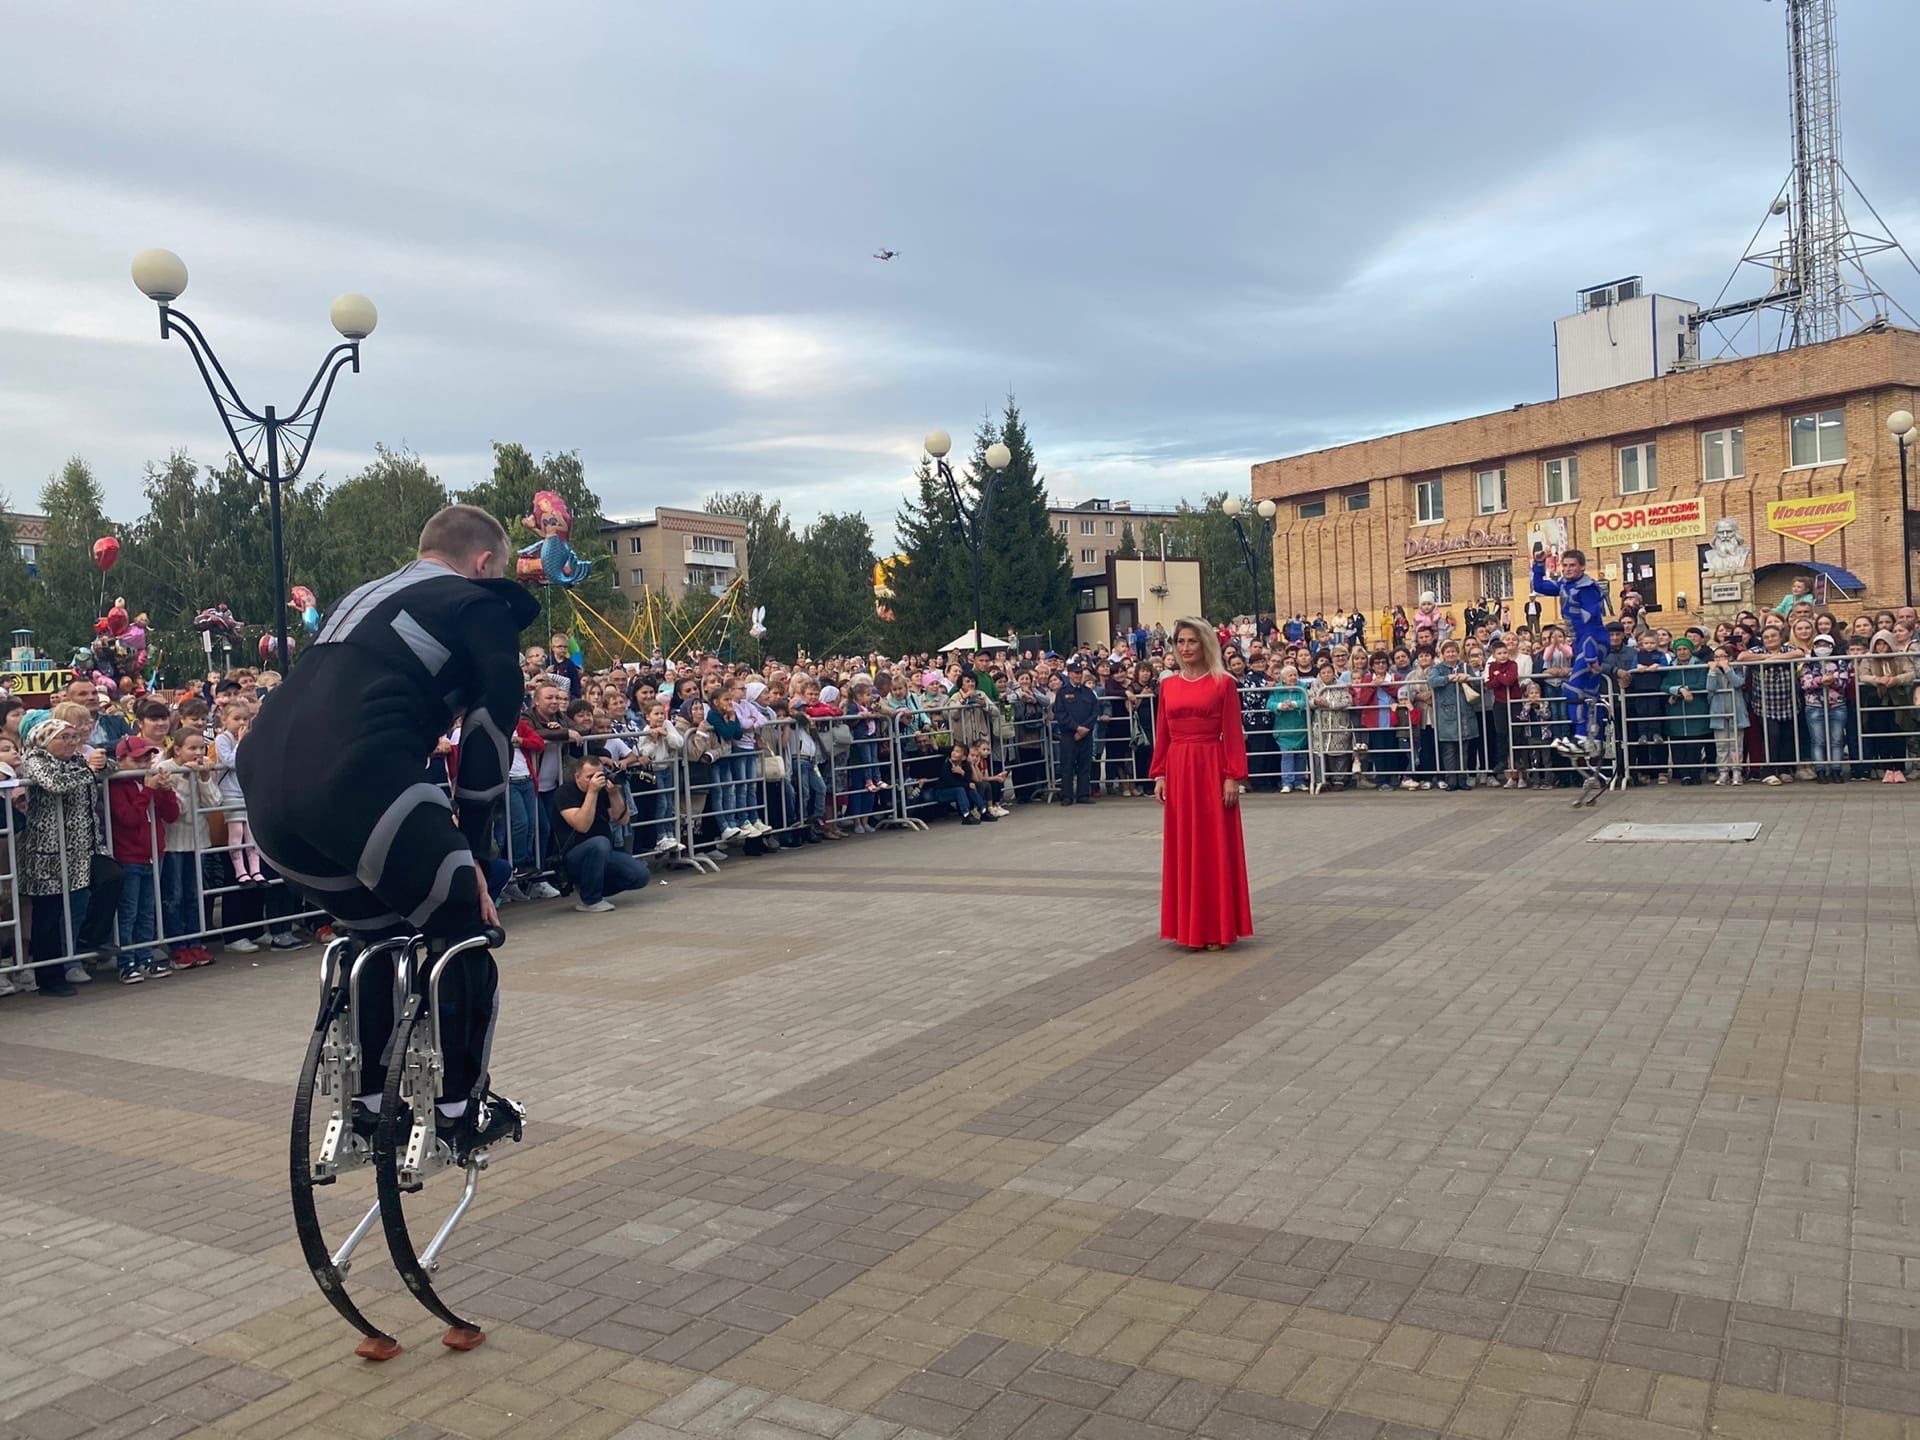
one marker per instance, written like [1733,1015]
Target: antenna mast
[1818,271]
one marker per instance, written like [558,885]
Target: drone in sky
[884,254]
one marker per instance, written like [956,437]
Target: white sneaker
[541,890]
[599,907]
[240,945]
[77,975]
[732,832]
[667,845]
[511,893]
[7,987]
[756,828]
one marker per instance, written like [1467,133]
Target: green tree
[773,567]
[17,587]
[70,588]
[1026,579]
[930,586]
[373,520]
[835,586]
[206,539]
[1128,550]
[507,494]
[1205,532]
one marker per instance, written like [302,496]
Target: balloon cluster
[119,645]
[551,560]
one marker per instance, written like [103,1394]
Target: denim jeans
[1293,767]
[861,768]
[180,897]
[813,789]
[598,870]
[139,920]
[514,827]
[961,798]
[1827,734]
[732,789]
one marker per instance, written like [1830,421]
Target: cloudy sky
[1189,236]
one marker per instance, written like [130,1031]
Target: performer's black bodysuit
[334,770]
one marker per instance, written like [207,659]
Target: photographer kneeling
[590,805]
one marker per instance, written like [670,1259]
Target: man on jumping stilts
[1583,605]
[334,770]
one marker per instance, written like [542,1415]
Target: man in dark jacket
[334,770]
[1076,710]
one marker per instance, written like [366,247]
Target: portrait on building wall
[1550,536]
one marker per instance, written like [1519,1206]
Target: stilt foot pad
[460,1338]
[377,1347]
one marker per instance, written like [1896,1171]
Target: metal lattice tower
[1819,281]
[1817,222]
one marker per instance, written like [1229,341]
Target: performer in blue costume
[1583,605]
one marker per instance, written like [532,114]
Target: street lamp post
[1905,437]
[1266,510]
[272,447]
[970,521]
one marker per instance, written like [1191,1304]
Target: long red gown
[1197,745]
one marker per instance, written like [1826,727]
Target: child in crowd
[1726,714]
[1532,734]
[242,855]
[956,788]
[188,764]
[989,782]
[143,804]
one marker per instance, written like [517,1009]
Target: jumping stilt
[403,1143]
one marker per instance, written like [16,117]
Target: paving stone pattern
[1489,1132]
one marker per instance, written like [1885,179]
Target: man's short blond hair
[461,532]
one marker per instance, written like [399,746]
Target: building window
[1311,509]
[1723,454]
[1110,527]
[633,544]
[1638,472]
[1440,582]
[637,579]
[1088,557]
[31,554]
[1358,500]
[1086,527]
[1496,580]
[1063,527]
[1429,501]
[1639,572]
[1820,438]
[711,545]
[701,577]
[1560,480]
[1490,491]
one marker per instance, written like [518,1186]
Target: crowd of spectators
[128,852]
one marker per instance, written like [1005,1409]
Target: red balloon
[106,550]
[269,647]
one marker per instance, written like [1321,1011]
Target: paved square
[1492,1132]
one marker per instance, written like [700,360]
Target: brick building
[676,552]
[1452,508]
[1093,530]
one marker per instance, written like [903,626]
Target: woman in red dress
[1199,760]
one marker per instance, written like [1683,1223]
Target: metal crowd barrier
[165,902]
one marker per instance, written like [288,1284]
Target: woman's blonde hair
[1209,642]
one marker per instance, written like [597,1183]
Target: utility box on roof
[1621,334]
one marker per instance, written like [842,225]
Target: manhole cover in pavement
[1674,834]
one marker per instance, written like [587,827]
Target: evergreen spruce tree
[1026,580]
[930,588]
[1128,549]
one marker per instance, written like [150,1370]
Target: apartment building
[676,552]
[1093,530]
